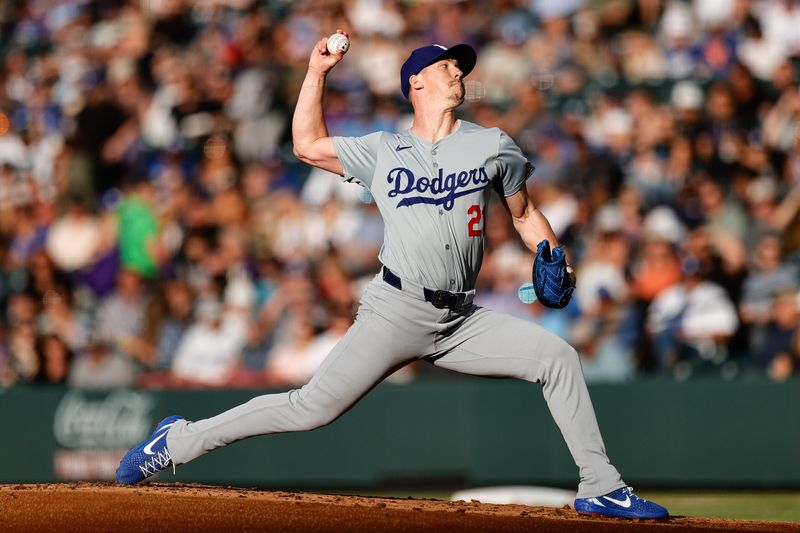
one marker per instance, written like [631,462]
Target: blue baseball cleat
[148,457]
[622,503]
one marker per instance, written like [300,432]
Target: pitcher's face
[443,79]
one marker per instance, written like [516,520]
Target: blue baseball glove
[552,282]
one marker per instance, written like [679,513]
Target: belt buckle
[441,299]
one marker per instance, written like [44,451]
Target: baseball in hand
[338,43]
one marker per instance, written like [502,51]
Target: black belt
[440,299]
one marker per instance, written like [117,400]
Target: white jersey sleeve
[513,168]
[358,156]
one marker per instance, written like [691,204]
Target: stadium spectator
[121,314]
[293,361]
[691,322]
[74,240]
[600,332]
[54,360]
[210,350]
[99,367]
[168,314]
[768,277]
[778,354]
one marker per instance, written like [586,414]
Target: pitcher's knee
[325,415]
[569,355]
[561,359]
[317,414]
[566,360]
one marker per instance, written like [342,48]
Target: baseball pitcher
[432,184]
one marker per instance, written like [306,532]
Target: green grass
[740,505]
[780,506]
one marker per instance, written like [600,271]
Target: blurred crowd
[156,230]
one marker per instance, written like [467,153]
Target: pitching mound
[177,507]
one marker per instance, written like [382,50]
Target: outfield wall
[459,432]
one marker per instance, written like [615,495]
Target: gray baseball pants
[395,327]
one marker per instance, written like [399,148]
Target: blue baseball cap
[428,55]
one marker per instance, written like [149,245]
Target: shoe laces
[629,491]
[159,462]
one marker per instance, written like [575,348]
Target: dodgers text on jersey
[445,189]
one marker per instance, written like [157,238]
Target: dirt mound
[179,507]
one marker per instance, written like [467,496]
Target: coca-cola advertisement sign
[117,420]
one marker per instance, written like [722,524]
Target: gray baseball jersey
[433,196]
